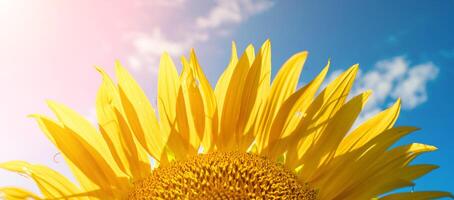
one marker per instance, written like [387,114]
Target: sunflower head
[223,175]
[248,138]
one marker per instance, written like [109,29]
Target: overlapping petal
[309,134]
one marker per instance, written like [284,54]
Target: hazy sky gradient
[48,49]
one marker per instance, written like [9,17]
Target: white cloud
[232,12]
[391,79]
[156,43]
[149,45]
[381,80]
[224,12]
[413,88]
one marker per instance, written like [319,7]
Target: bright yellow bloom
[246,139]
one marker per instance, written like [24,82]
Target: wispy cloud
[391,79]
[413,88]
[150,44]
[231,12]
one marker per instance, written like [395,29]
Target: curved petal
[370,129]
[417,195]
[140,114]
[319,114]
[128,154]
[224,80]
[290,115]
[209,103]
[51,183]
[324,146]
[356,166]
[93,167]
[231,106]
[168,85]
[13,193]
[253,97]
[190,108]
[385,174]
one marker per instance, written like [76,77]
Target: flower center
[222,175]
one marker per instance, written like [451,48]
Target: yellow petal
[191,103]
[320,112]
[13,193]
[140,114]
[220,91]
[228,137]
[323,146]
[75,123]
[129,156]
[224,80]
[190,123]
[168,85]
[283,86]
[370,129]
[138,159]
[254,95]
[51,183]
[209,103]
[105,103]
[168,91]
[356,166]
[389,179]
[286,81]
[91,168]
[384,173]
[413,172]
[290,115]
[303,103]
[405,154]
[417,195]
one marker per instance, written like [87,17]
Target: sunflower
[246,139]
